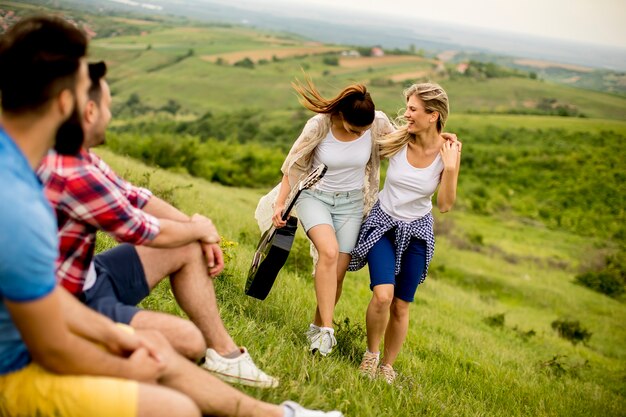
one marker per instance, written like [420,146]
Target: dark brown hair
[97,71]
[354,103]
[39,57]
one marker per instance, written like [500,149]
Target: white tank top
[346,162]
[408,191]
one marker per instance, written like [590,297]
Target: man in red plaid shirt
[158,241]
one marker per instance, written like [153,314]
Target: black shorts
[120,284]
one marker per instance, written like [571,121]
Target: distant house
[351,53]
[376,51]
[462,67]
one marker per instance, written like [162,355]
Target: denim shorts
[381,260]
[121,284]
[343,211]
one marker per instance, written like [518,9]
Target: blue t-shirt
[28,247]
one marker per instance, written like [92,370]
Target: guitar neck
[291,201]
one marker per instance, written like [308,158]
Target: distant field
[156,66]
[268,54]
[537,122]
[378,61]
[134,21]
[411,76]
[547,64]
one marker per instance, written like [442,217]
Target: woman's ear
[434,116]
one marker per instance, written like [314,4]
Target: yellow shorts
[33,391]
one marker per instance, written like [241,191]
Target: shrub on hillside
[350,340]
[496,320]
[245,63]
[571,330]
[602,282]
[331,60]
[609,278]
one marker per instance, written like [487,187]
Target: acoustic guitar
[275,244]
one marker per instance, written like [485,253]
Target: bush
[331,60]
[609,277]
[245,63]
[571,330]
[497,320]
[603,282]
[350,340]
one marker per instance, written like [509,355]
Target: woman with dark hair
[343,135]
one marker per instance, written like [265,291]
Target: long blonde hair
[434,98]
[353,102]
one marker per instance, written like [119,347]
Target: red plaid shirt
[88,196]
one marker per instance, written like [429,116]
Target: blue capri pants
[381,261]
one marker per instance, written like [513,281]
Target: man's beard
[71,135]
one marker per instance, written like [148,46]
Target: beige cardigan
[300,159]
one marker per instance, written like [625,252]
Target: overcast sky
[593,21]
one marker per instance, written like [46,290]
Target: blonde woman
[397,239]
[343,135]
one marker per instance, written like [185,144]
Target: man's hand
[210,234]
[121,342]
[144,367]
[214,257]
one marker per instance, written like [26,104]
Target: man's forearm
[85,322]
[163,210]
[51,343]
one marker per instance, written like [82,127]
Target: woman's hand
[449,137]
[451,154]
[277,218]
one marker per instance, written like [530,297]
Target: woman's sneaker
[387,373]
[311,332]
[324,341]
[369,364]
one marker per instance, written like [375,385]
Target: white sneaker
[299,411]
[323,342]
[311,332]
[239,370]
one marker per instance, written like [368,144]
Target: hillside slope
[480,340]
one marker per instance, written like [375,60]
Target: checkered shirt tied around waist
[378,223]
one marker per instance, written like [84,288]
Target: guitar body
[275,244]
[270,256]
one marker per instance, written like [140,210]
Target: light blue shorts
[343,211]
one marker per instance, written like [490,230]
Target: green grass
[453,363]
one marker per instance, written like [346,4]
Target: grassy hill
[480,343]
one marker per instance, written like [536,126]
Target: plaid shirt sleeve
[93,198]
[137,196]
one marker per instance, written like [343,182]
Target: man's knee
[180,333]
[191,253]
[192,345]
